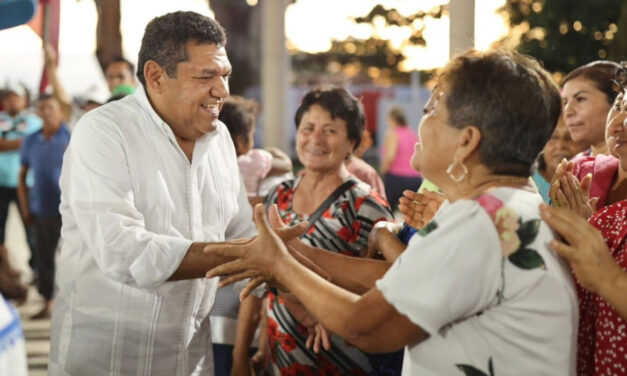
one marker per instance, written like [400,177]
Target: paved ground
[37,333]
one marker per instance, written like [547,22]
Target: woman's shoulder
[612,217]
[596,165]
[361,192]
[286,187]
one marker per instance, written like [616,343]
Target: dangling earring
[452,166]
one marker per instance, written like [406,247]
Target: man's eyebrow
[214,72]
[209,72]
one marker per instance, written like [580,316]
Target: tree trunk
[241,22]
[108,34]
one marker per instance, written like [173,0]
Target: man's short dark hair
[341,104]
[120,59]
[165,38]
[510,98]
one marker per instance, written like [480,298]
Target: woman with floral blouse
[478,291]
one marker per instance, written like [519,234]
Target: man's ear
[469,140]
[154,75]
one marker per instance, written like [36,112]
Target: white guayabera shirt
[132,203]
[482,282]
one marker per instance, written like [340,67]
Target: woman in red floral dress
[598,258]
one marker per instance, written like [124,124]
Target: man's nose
[220,89]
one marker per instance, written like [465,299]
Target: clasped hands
[568,192]
[259,260]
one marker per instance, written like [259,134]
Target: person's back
[407,140]
[518,310]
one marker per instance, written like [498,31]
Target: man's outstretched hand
[258,258]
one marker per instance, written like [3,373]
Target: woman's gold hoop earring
[450,173]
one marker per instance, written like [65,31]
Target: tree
[108,34]
[565,34]
[241,22]
[372,58]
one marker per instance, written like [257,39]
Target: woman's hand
[259,258]
[374,245]
[317,334]
[583,247]
[567,192]
[419,208]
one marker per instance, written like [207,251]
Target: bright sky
[309,27]
[306,20]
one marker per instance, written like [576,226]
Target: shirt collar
[142,97]
[62,131]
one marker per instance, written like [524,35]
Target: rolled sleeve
[159,261]
[98,200]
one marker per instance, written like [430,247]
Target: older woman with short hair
[330,123]
[478,291]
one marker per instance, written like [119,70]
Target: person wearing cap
[15,124]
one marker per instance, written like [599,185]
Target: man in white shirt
[150,189]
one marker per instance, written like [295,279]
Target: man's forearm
[200,258]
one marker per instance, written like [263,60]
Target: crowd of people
[509,258]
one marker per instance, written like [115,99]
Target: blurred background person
[361,169]
[42,152]
[559,147]
[120,71]
[15,124]
[256,165]
[588,94]
[397,149]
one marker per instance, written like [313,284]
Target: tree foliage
[374,57]
[565,34]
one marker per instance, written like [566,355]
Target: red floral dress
[343,228]
[602,342]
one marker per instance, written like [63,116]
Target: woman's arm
[281,162]
[391,144]
[351,273]
[22,195]
[368,322]
[589,256]
[247,321]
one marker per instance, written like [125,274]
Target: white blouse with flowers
[482,282]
